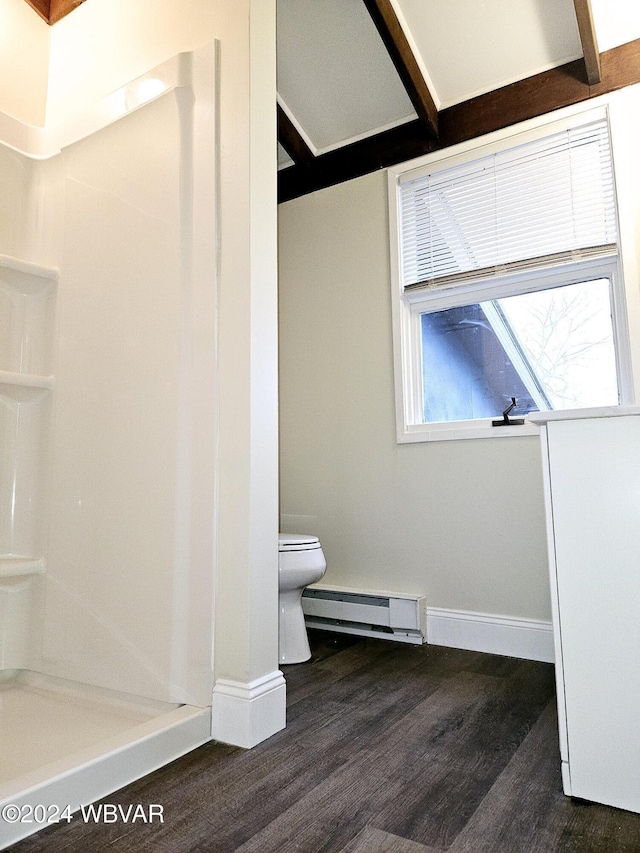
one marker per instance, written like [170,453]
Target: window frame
[408,305]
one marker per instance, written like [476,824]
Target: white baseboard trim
[530,639]
[246,713]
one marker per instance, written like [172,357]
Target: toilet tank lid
[297,542]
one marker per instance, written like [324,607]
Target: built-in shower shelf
[23,386]
[24,276]
[13,567]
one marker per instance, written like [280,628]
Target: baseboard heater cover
[389,616]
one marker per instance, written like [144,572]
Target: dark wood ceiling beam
[391,32]
[368,155]
[41,7]
[292,142]
[538,95]
[528,98]
[589,41]
[52,10]
[535,96]
[60,8]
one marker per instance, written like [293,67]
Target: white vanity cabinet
[591,461]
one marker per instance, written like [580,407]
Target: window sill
[460,430]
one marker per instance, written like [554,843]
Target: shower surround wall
[128,602]
[107,391]
[125,590]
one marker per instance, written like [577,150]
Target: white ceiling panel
[334,74]
[470,48]
[283,158]
[616,22]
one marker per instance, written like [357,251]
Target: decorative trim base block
[246,713]
[530,639]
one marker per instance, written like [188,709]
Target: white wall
[24,62]
[106,43]
[459,521]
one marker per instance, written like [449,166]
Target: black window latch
[506,420]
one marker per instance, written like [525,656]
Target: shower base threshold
[65,745]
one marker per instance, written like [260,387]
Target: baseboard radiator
[389,616]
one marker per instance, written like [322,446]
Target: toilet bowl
[300,562]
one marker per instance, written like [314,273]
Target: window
[508,285]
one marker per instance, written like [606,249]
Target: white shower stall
[107,438]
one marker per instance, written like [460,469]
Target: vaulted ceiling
[364,84]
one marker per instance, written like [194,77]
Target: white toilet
[300,562]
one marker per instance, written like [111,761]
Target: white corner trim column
[248,703]
[244,714]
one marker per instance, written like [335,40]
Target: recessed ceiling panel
[334,73]
[616,22]
[470,48]
[283,158]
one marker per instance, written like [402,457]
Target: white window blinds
[545,198]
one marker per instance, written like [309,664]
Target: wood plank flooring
[389,748]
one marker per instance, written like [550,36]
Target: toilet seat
[297,542]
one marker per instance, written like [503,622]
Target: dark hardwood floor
[389,748]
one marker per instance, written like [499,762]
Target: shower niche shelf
[19,567]
[23,387]
[27,313]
